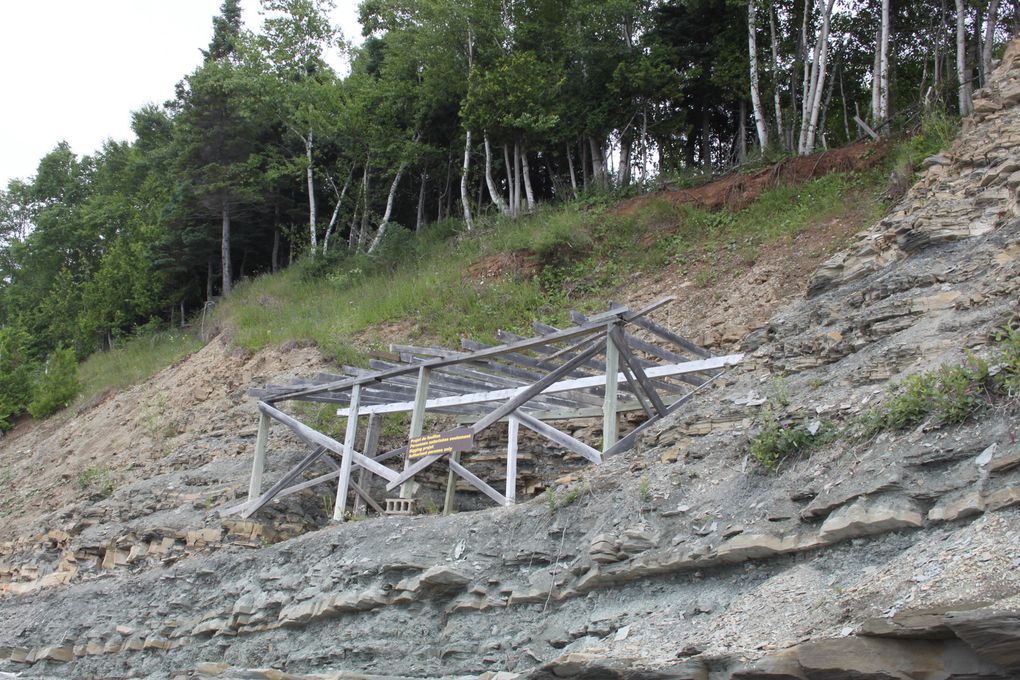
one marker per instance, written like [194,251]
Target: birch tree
[962,74]
[815,83]
[752,48]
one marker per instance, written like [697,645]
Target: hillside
[876,552]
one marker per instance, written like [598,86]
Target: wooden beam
[451,486]
[252,506]
[371,447]
[513,426]
[345,465]
[561,438]
[672,337]
[628,441]
[477,483]
[635,366]
[609,417]
[421,396]
[313,436]
[259,461]
[557,387]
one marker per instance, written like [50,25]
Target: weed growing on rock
[645,490]
[97,480]
[779,439]
[952,394]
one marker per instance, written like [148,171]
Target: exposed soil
[737,190]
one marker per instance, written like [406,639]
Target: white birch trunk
[961,59]
[389,211]
[510,180]
[752,46]
[419,220]
[526,174]
[494,193]
[991,20]
[336,213]
[883,83]
[876,71]
[805,85]
[310,173]
[464,198]
[517,179]
[818,84]
[775,76]
[573,175]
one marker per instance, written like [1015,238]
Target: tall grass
[132,362]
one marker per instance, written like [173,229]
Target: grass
[132,362]
[419,285]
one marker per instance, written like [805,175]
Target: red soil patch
[737,190]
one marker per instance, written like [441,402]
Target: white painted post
[609,423]
[370,449]
[345,464]
[421,396]
[513,426]
[259,462]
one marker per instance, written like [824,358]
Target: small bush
[57,385]
[778,439]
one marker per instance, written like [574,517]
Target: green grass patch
[132,362]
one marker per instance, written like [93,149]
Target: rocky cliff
[895,555]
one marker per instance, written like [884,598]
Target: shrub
[15,375]
[57,385]
[778,439]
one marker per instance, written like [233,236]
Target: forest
[450,110]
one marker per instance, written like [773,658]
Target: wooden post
[609,420]
[451,486]
[513,426]
[421,396]
[370,448]
[345,464]
[257,465]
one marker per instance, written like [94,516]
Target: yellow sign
[458,439]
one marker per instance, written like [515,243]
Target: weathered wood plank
[609,417]
[340,507]
[672,337]
[253,505]
[313,436]
[513,427]
[560,386]
[372,432]
[635,366]
[477,483]
[561,438]
[259,461]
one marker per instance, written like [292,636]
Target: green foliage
[56,385]
[776,440]
[16,368]
[96,480]
[938,129]
[953,393]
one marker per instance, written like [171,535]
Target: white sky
[74,70]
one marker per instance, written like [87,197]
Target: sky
[74,70]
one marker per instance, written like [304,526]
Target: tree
[752,47]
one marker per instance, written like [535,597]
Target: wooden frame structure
[598,368]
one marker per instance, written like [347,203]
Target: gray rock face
[992,634]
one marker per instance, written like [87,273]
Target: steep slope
[895,556]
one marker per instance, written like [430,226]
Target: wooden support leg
[345,465]
[513,426]
[451,484]
[421,396]
[257,465]
[370,448]
[609,418]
